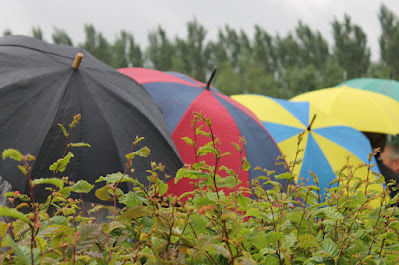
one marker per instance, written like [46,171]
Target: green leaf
[130,156]
[394,225]
[103,193]
[203,201]
[143,152]
[134,213]
[191,174]
[255,212]
[308,241]
[204,150]
[5,211]
[228,182]
[237,146]
[59,220]
[82,186]
[115,178]
[286,175]
[243,202]
[204,242]
[52,181]
[390,237]
[63,129]
[131,199]
[24,257]
[198,224]
[78,145]
[329,246]
[188,141]
[61,163]
[163,188]
[330,213]
[13,154]
[221,250]
[89,234]
[23,170]
[246,166]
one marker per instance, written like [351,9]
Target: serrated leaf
[204,242]
[254,212]
[163,188]
[89,234]
[198,224]
[79,145]
[134,213]
[63,129]
[59,220]
[3,229]
[23,170]
[286,175]
[222,251]
[143,152]
[103,193]
[61,163]
[5,211]
[82,186]
[13,154]
[243,202]
[308,241]
[330,213]
[329,246]
[228,182]
[131,199]
[204,150]
[188,141]
[246,166]
[51,181]
[191,174]
[199,202]
[115,178]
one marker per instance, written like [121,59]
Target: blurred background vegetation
[277,66]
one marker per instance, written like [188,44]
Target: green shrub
[261,225]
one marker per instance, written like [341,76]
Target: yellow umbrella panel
[363,110]
[326,143]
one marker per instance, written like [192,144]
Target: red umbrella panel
[179,96]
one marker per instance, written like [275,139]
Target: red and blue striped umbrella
[179,96]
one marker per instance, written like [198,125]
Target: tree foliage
[275,65]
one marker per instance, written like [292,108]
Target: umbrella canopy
[364,110]
[326,143]
[178,96]
[39,88]
[387,87]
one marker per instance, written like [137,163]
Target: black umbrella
[39,88]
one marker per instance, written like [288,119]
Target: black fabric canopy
[39,89]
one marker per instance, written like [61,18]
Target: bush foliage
[217,223]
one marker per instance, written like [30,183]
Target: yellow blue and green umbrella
[326,142]
[363,110]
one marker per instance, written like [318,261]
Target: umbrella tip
[208,85]
[77,61]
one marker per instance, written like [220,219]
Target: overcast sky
[140,16]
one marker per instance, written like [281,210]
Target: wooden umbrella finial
[77,61]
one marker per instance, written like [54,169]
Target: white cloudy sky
[141,16]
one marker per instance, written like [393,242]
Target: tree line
[273,65]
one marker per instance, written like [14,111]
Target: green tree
[313,48]
[96,44]
[7,32]
[351,47]
[125,52]
[37,33]
[161,50]
[389,39]
[60,36]
[265,51]
[194,53]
